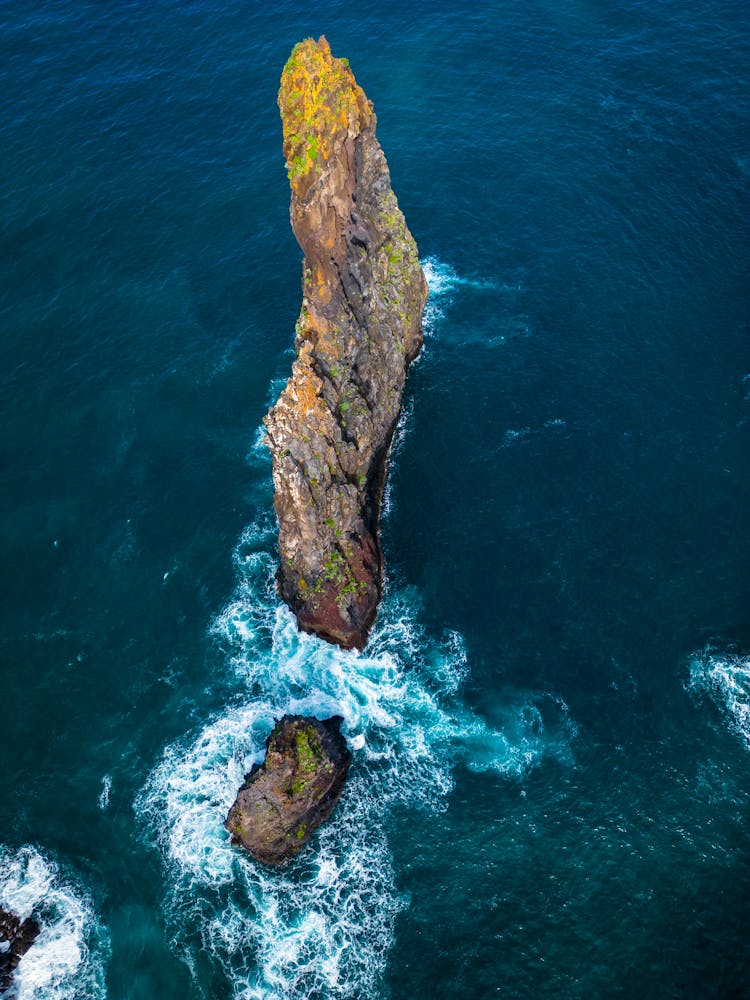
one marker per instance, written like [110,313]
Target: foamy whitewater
[725,678]
[67,960]
[444,284]
[506,320]
[322,925]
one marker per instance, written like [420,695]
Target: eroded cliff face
[363,293]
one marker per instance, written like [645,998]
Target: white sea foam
[725,678]
[105,792]
[66,962]
[506,322]
[402,432]
[443,279]
[275,388]
[512,436]
[259,442]
[443,282]
[322,926]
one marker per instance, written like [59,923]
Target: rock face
[363,293]
[16,937]
[294,790]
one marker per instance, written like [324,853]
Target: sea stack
[360,326]
[286,798]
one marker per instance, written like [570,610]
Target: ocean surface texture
[550,791]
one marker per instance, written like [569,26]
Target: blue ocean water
[550,794]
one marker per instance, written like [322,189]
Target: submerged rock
[16,937]
[294,790]
[360,326]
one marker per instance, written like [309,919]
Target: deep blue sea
[550,793]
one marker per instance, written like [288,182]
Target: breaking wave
[322,926]
[443,282]
[498,316]
[66,962]
[725,678]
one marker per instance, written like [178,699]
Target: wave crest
[725,678]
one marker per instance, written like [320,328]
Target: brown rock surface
[363,293]
[286,798]
[16,937]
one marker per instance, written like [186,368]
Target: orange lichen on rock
[304,389]
[320,104]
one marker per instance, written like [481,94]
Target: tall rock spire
[360,325]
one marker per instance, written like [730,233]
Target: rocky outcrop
[363,293]
[16,937]
[286,798]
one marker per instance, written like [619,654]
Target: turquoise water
[550,791]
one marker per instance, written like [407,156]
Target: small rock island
[286,798]
[360,326]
